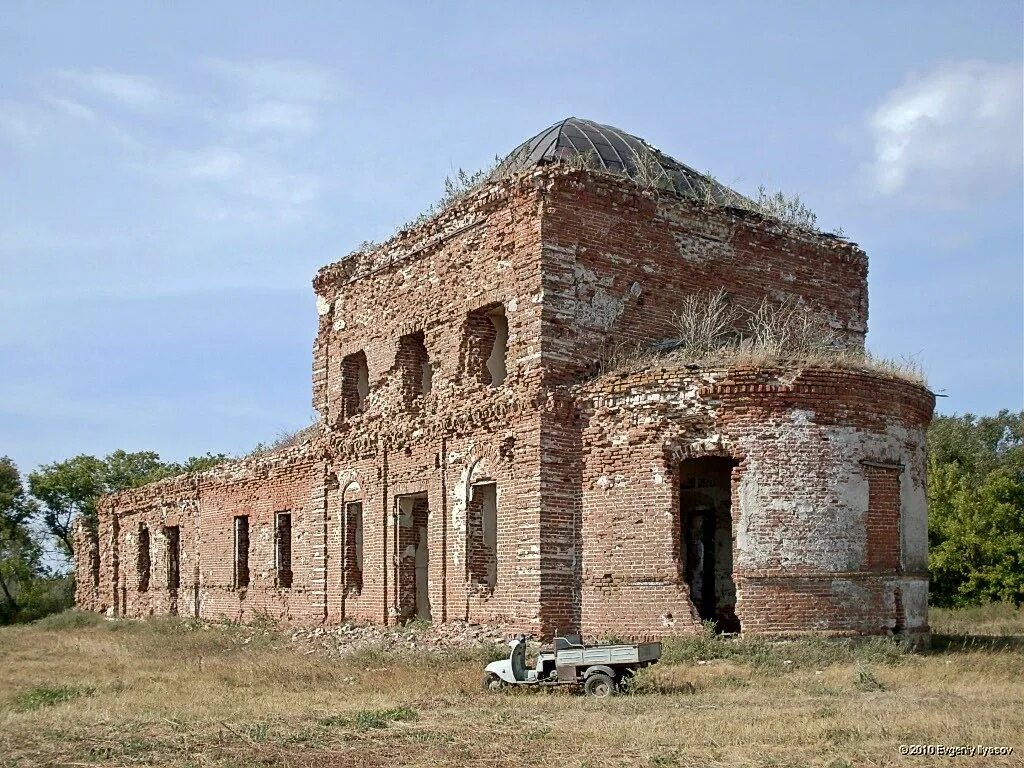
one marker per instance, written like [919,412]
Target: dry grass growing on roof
[78,690]
[711,331]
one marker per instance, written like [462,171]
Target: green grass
[778,656]
[70,620]
[369,719]
[46,696]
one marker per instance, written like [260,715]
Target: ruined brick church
[477,459]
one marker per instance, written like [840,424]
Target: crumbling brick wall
[807,446]
[617,261]
[88,568]
[557,267]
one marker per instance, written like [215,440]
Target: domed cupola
[609,149]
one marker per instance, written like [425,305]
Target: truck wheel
[493,683]
[599,685]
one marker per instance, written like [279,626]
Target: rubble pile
[347,638]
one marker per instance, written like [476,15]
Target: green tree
[71,488]
[67,490]
[198,463]
[20,553]
[976,509]
[129,470]
[978,445]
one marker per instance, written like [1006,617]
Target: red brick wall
[585,473]
[801,499]
[883,518]
[617,262]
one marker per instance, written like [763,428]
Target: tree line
[975,521]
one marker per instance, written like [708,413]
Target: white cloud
[237,169]
[217,164]
[129,90]
[20,123]
[948,132]
[237,185]
[277,117]
[291,81]
[72,108]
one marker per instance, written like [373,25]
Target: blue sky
[172,175]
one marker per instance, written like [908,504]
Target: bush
[44,595]
[789,209]
[70,619]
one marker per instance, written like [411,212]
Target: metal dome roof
[605,148]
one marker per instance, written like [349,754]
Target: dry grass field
[76,690]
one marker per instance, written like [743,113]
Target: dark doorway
[413,558]
[705,506]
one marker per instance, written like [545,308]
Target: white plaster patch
[607,482]
[801,417]
[915,602]
[819,522]
[595,305]
[850,595]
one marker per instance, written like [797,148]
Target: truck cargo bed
[608,654]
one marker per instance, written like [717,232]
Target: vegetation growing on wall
[709,329]
[647,174]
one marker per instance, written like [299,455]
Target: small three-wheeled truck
[600,669]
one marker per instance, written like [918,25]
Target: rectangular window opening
[284,549]
[486,345]
[241,552]
[413,585]
[143,562]
[354,547]
[94,562]
[482,535]
[355,382]
[414,363]
[173,536]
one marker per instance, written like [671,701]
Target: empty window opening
[482,536]
[173,535]
[496,364]
[486,345]
[413,557]
[241,552]
[883,518]
[353,562]
[355,382]
[284,549]
[414,364]
[142,563]
[705,517]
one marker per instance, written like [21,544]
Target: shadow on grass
[965,643]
